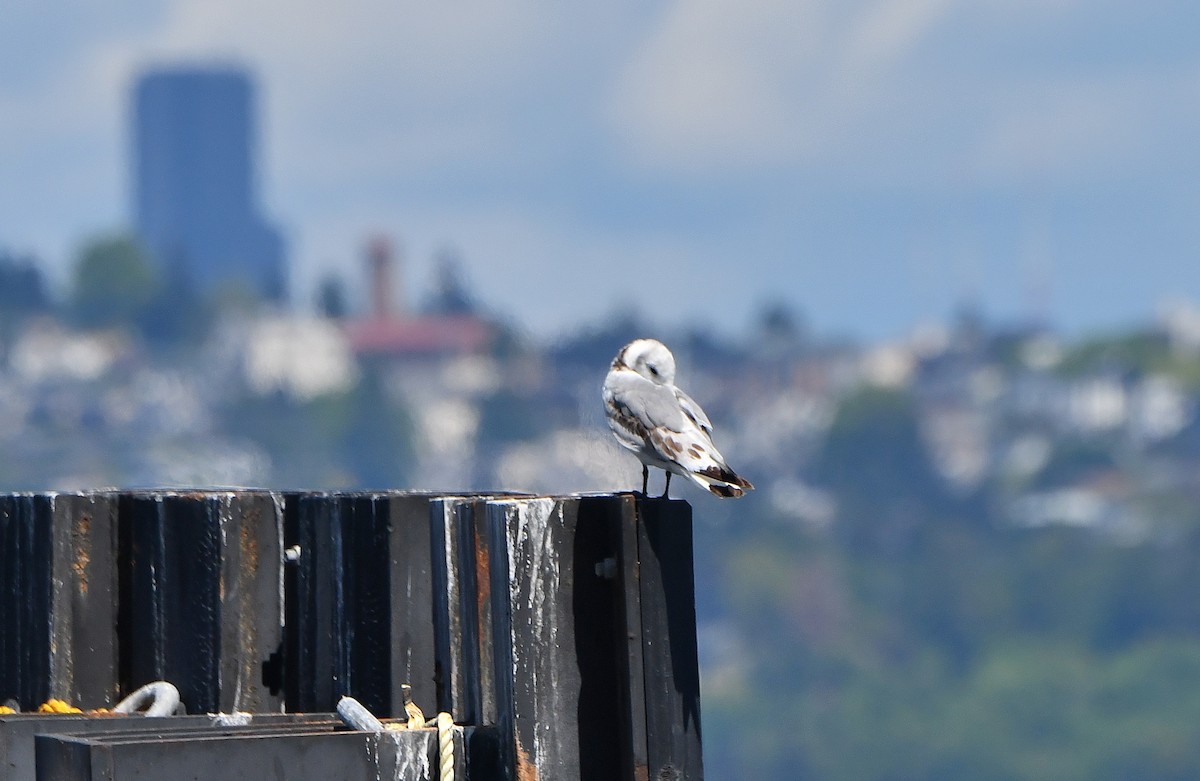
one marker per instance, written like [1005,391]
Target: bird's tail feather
[722,481]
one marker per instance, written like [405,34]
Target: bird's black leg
[667,487]
[645,479]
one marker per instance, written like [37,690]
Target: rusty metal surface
[670,660]
[303,753]
[57,598]
[359,600]
[455,616]
[25,600]
[83,612]
[250,592]
[17,731]
[566,622]
[199,594]
[594,638]
[411,591]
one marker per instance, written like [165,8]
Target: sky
[875,165]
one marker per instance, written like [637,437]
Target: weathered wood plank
[199,597]
[456,614]
[169,606]
[624,526]
[557,638]
[251,598]
[670,659]
[83,611]
[413,647]
[25,601]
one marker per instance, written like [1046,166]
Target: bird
[661,424]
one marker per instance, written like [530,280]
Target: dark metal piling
[561,630]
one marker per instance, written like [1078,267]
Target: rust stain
[526,771]
[81,537]
[249,545]
[483,580]
[247,626]
[641,773]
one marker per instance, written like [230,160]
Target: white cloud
[869,93]
[1076,130]
[721,85]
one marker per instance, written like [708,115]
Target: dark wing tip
[726,491]
[726,475]
[729,485]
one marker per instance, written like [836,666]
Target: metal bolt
[607,569]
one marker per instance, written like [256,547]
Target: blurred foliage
[506,417]
[359,439]
[115,284]
[377,442]
[22,288]
[875,463]
[913,641]
[1138,353]
[331,298]
[1072,460]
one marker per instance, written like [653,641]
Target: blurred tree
[876,464]
[1072,460]
[22,288]
[178,314]
[779,332]
[507,417]
[331,297]
[22,292]
[114,284]
[377,444]
[451,295]
[1140,352]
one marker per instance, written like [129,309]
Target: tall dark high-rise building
[196,189]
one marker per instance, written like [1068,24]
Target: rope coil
[445,728]
[356,716]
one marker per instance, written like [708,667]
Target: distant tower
[381,269]
[196,200]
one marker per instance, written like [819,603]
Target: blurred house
[303,357]
[391,333]
[436,363]
[48,351]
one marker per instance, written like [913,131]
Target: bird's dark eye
[654,371]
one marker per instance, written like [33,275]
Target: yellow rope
[445,727]
[57,706]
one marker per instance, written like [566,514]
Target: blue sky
[872,163]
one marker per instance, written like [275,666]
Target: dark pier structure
[559,632]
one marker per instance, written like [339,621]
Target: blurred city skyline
[872,164]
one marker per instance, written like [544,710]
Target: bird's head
[649,358]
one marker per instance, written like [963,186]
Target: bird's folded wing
[693,412]
[653,406]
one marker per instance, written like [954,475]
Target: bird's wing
[649,406]
[693,412]
[666,420]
